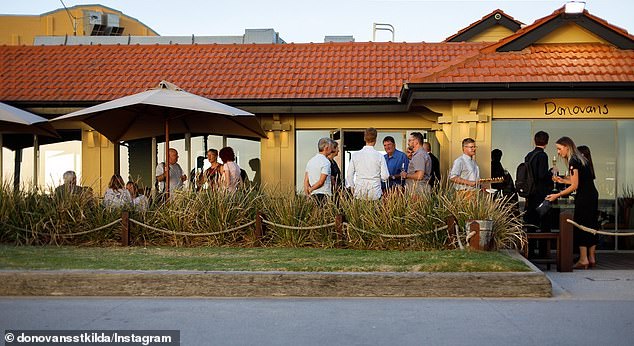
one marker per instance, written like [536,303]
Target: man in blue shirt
[396,161]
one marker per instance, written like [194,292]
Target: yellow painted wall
[493,34]
[563,109]
[21,30]
[97,162]
[461,119]
[570,33]
[278,155]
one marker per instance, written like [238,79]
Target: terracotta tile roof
[476,23]
[223,72]
[574,62]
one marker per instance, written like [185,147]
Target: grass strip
[253,259]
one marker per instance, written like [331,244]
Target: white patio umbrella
[163,110]
[17,121]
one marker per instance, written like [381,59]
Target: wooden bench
[563,240]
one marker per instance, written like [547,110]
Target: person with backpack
[506,188]
[534,182]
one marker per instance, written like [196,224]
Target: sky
[309,21]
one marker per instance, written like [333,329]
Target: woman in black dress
[335,172]
[581,179]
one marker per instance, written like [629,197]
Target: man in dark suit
[543,183]
[435,166]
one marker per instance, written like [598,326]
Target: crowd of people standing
[549,185]
[227,176]
[371,174]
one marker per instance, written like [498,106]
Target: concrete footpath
[593,284]
[588,308]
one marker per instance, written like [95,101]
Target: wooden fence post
[451,229]
[260,228]
[564,251]
[341,237]
[474,242]
[125,228]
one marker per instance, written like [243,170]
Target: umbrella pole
[17,160]
[117,159]
[166,166]
[1,159]
[154,164]
[188,149]
[36,156]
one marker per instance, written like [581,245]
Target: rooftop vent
[339,38]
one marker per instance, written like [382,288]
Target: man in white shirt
[175,171]
[465,172]
[317,182]
[367,168]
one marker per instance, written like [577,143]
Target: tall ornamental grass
[31,217]
[287,208]
[400,220]
[208,211]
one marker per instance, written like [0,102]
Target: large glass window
[54,160]
[305,148]
[625,180]
[124,163]
[247,156]
[57,158]
[352,139]
[400,139]
[8,157]
[515,139]
[611,143]
[247,153]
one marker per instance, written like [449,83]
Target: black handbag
[543,208]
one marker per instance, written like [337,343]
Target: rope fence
[298,228]
[413,235]
[340,225]
[125,232]
[66,235]
[189,234]
[92,230]
[594,231]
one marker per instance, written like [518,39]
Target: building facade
[567,74]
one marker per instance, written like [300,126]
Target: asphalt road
[589,308]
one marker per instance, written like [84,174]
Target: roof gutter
[258,106]
[456,91]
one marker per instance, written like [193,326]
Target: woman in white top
[230,170]
[116,195]
[139,201]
